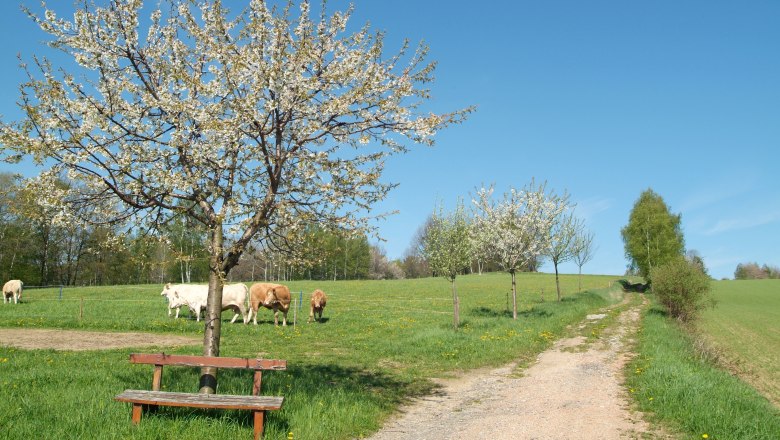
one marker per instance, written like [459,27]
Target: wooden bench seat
[256,403]
[217,401]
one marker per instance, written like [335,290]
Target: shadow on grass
[633,287]
[659,311]
[533,312]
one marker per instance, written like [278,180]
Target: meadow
[684,382]
[381,343]
[744,323]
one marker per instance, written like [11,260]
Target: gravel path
[573,390]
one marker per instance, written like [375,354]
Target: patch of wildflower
[449,354]
[508,334]
[547,336]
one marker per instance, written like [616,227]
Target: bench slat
[208,361]
[217,401]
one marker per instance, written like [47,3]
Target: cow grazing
[318,301]
[272,296]
[167,292]
[195,296]
[12,289]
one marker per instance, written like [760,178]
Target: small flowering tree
[254,125]
[582,252]
[517,229]
[447,249]
[562,237]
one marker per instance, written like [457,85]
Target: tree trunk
[514,296]
[455,307]
[213,321]
[579,280]
[557,281]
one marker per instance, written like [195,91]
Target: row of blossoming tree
[524,225]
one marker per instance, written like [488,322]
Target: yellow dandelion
[705,435]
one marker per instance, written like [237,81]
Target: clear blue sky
[602,99]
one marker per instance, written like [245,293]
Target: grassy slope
[682,388]
[744,323]
[381,343]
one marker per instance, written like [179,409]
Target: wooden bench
[256,403]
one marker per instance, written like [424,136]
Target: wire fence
[339,304]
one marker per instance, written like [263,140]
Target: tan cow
[272,296]
[318,300]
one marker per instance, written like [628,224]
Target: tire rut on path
[573,390]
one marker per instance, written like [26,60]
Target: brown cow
[318,300]
[272,296]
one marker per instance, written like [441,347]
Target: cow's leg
[276,318]
[178,309]
[284,318]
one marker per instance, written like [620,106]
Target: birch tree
[653,235]
[562,235]
[253,124]
[447,249]
[516,230]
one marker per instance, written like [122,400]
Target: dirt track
[31,339]
[573,390]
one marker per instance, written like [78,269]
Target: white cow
[13,289]
[168,294]
[195,296]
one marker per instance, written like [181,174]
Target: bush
[682,288]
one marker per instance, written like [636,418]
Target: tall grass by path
[744,328]
[380,344]
[683,389]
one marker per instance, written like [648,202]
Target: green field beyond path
[745,327]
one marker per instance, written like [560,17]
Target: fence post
[300,300]
[60,292]
[295,315]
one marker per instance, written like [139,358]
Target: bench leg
[259,424]
[137,409]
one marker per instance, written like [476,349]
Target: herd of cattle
[244,302]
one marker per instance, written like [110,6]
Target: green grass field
[676,379]
[745,322]
[381,343]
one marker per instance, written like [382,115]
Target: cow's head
[270,297]
[318,298]
[166,290]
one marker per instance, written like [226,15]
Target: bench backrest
[208,361]
[160,359]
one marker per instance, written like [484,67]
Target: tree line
[38,247]
[752,271]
